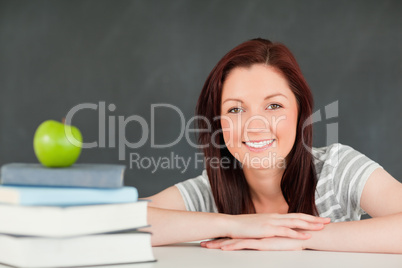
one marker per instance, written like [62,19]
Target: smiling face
[258,116]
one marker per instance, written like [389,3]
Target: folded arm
[381,198]
[378,235]
[171,223]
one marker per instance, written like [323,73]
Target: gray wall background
[55,55]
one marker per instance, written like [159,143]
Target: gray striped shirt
[341,171]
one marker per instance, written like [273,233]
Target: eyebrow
[267,97]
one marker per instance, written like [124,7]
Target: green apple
[57,144]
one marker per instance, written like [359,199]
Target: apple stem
[63,120]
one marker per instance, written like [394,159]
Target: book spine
[63,177]
[63,196]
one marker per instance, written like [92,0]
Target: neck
[265,185]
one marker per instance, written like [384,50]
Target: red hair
[229,186]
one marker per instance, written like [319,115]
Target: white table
[192,255]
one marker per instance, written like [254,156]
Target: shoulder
[342,173]
[339,158]
[196,193]
[199,183]
[331,154]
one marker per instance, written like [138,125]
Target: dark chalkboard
[130,55]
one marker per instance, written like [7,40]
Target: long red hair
[229,186]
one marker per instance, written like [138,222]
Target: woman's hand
[267,225]
[272,243]
[268,232]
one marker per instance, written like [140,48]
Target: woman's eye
[235,110]
[274,106]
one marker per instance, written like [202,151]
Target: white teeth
[259,144]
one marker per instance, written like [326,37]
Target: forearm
[174,226]
[377,235]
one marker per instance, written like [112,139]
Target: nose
[257,123]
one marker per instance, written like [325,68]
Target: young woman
[265,187]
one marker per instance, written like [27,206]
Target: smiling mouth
[259,144]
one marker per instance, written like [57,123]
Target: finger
[297,223]
[264,244]
[205,243]
[215,243]
[245,244]
[287,232]
[305,217]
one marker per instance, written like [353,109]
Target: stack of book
[76,216]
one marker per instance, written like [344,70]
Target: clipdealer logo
[108,122]
[331,111]
[122,122]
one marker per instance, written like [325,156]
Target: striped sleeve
[197,194]
[341,179]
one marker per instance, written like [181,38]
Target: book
[64,196]
[78,175]
[71,221]
[102,249]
